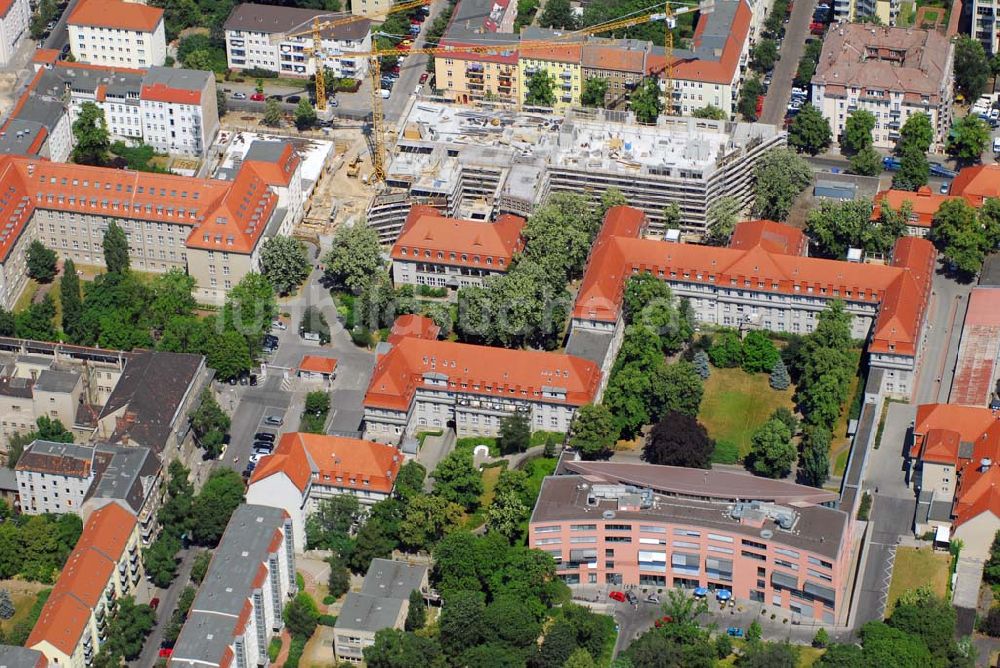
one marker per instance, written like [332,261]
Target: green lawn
[906,12]
[736,403]
[470,442]
[916,567]
[491,476]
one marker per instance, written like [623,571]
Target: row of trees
[834,226]
[965,235]
[35,547]
[857,143]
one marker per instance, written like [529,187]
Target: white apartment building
[891,72]
[306,469]
[984,25]
[179,110]
[255,38]
[238,606]
[15,17]
[116,33]
[54,477]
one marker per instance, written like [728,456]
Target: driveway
[780,90]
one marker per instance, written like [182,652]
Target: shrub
[274,649]
[821,639]
[326,620]
[295,650]
[361,336]
[865,507]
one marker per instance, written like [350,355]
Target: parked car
[424,76]
[734,631]
[277,324]
[937,169]
[617,596]
[944,187]
[274,420]
[154,604]
[652,598]
[264,436]
[239,96]
[262,451]
[293,99]
[385,93]
[890,163]
[257,97]
[632,598]
[166,652]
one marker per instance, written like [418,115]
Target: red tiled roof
[333,461]
[89,568]
[923,204]
[479,370]
[721,71]
[45,56]
[417,326]
[555,53]
[160,92]
[979,494]
[977,183]
[116,14]
[280,172]
[613,58]
[318,364]
[771,236]
[902,289]
[431,237]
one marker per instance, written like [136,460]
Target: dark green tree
[771,451]
[701,366]
[781,175]
[199,567]
[272,113]
[646,101]
[90,135]
[214,505]
[284,262]
[858,131]
[515,433]
[463,622]
[914,169]
[968,139]
[541,89]
[557,14]
[416,614]
[727,349]
[41,262]
[594,90]
[410,480]
[330,527]
[129,626]
[305,115]
[116,254]
[457,480]
[679,440]
[959,235]
[710,112]
[814,459]
[759,353]
[36,321]
[354,257]
[747,103]
[210,424]
[971,68]
[594,431]
[917,132]
[301,616]
[338,582]
[810,131]
[866,162]
[764,55]
[398,649]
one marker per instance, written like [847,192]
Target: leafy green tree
[726,351]
[284,262]
[228,354]
[814,459]
[338,582]
[594,90]
[457,480]
[959,236]
[272,113]
[463,621]
[884,645]
[36,321]
[759,353]
[301,616]
[968,138]
[914,169]
[646,101]
[90,136]
[709,111]
[594,431]
[515,433]
[842,656]
[781,175]
[723,214]
[331,525]
[754,632]
[557,14]
[674,387]
[214,505]
[821,639]
[580,658]
[541,89]
[129,626]
[160,560]
[858,131]
[199,567]
[679,440]
[610,198]
[354,257]
[250,308]
[41,262]
[825,365]
[770,655]
[416,614]
[7,322]
[838,225]
[398,649]
[210,424]
[671,216]
[764,55]
[410,480]
[771,451]
[305,115]
[427,520]
[991,571]
[747,103]
[971,68]
[116,256]
[175,513]
[917,132]
[171,298]
[810,131]
[923,614]
[866,162]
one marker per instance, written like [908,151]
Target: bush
[821,639]
[428,291]
[329,600]
[361,336]
[274,649]
[295,650]
[865,507]
[723,646]
[726,452]
[260,73]
[326,620]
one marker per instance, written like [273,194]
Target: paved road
[945,318]
[410,71]
[830,161]
[168,603]
[780,91]
[59,36]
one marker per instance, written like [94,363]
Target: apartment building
[105,564]
[15,18]
[421,384]
[257,37]
[179,110]
[55,394]
[484,164]
[768,541]
[37,126]
[621,63]
[891,72]
[373,8]
[984,28]
[117,33]
[561,62]
[306,469]
[854,10]
[444,252]
[469,76]
[760,285]
[213,229]
[382,603]
[923,204]
[238,607]
[65,478]
[954,454]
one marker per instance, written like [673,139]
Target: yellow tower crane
[315,31]
[374,69]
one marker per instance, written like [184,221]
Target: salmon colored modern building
[770,542]
[763,281]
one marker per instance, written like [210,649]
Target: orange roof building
[977,183]
[923,206]
[956,471]
[317,365]
[417,326]
[437,251]
[104,565]
[117,33]
[764,282]
[422,384]
[306,468]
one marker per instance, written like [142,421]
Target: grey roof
[835,190]
[368,613]
[589,345]
[152,386]
[57,381]
[265,151]
[14,386]
[990,275]
[42,110]
[19,136]
[228,584]
[37,360]
[393,579]
[68,459]
[125,473]
[8,480]
[276,19]
[20,657]
[182,79]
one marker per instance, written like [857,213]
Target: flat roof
[393,579]
[975,368]
[51,380]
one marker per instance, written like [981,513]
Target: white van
[385,94]
[996,145]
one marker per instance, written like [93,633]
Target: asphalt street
[59,36]
[780,90]
[168,603]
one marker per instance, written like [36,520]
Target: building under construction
[477,164]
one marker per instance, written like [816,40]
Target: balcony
[566,74]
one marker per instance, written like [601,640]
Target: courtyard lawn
[916,567]
[490,477]
[736,403]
